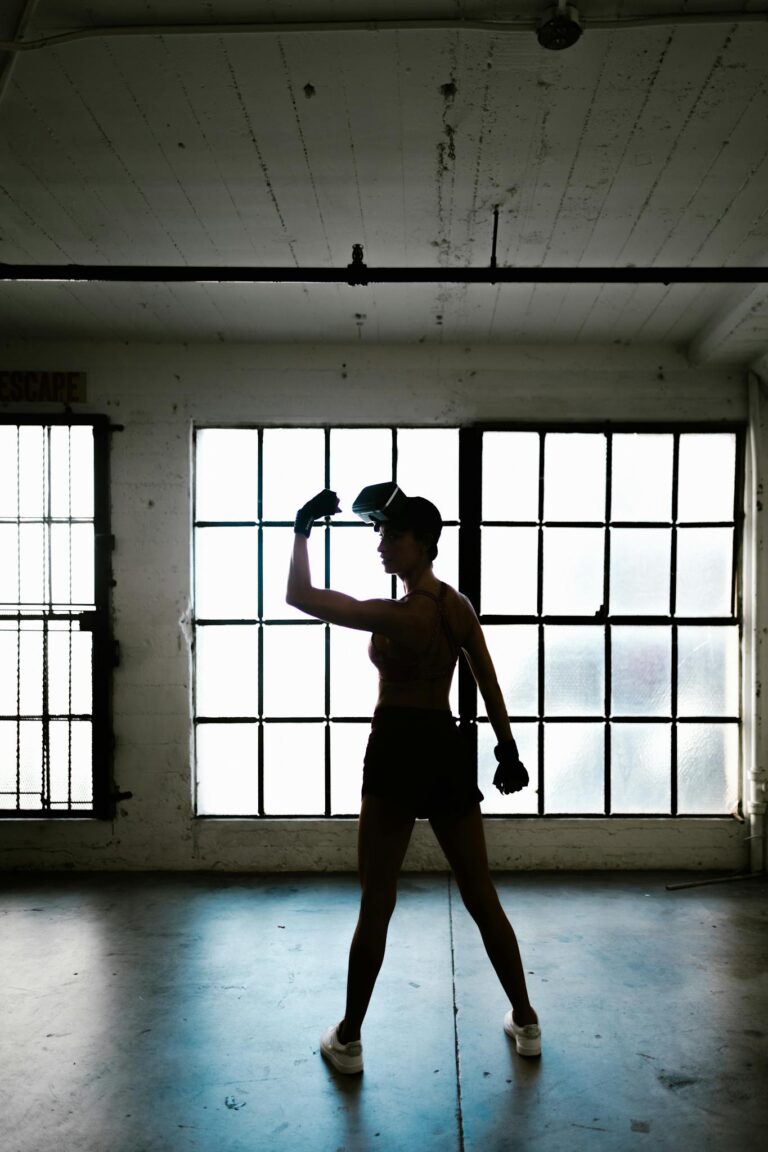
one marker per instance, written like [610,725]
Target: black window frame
[469,551]
[98,621]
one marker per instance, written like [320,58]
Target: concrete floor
[171,1012]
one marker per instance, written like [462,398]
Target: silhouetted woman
[416,763]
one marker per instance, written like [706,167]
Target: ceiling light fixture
[559,27]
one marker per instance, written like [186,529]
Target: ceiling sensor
[559,26]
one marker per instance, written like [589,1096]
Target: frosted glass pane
[30,671]
[574,768]
[62,678]
[354,680]
[574,476]
[294,670]
[359,457]
[640,768]
[704,565]
[707,768]
[226,573]
[8,487]
[706,476]
[33,468]
[348,743]
[574,671]
[293,470]
[70,750]
[356,566]
[708,671]
[514,649]
[24,565]
[227,670]
[294,769]
[446,566]
[227,769]
[641,485]
[510,476]
[9,647]
[277,545]
[508,571]
[496,803]
[574,566]
[428,465]
[640,571]
[71,450]
[641,671]
[72,564]
[31,761]
[226,474]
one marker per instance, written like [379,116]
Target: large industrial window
[603,564]
[55,742]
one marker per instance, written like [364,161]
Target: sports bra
[412,667]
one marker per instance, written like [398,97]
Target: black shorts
[420,758]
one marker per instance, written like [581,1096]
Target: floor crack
[459,1113]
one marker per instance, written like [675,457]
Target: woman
[416,764]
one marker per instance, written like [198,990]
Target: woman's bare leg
[462,839]
[383,835]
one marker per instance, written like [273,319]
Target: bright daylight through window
[54,721]
[603,567]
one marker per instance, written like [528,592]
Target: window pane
[428,465]
[573,571]
[704,565]
[226,473]
[227,670]
[348,743]
[708,671]
[277,544]
[574,476]
[706,476]
[574,671]
[31,762]
[640,571]
[359,457]
[354,680]
[30,669]
[72,564]
[8,488]
[72,470]
[24,567]
[508,580]
[294,670]
[293,470]
[707,774]
[574,758]
[227,769]
[496,803]
[70,657]
[640,768]
[447,562]
[356,566]
[641,486]
[514,649]
[226,573]
[510,476]
[32,462]
[641,671]
[70,747]
[294,769]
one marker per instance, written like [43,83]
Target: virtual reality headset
[387,504]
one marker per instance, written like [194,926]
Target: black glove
[326,503]
[511,775]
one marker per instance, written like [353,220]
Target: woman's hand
[511,775]
[326,503]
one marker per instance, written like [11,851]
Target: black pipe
[359,274]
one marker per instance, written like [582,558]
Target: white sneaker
[344,1057]
[527,1038]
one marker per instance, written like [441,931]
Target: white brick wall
[157,392]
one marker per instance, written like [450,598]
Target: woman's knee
[377,903]
[481,900]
